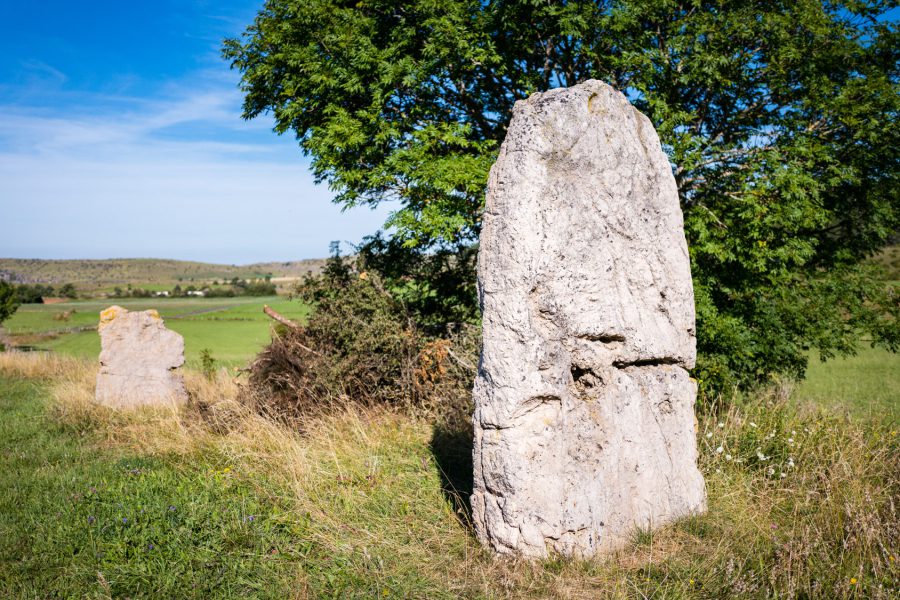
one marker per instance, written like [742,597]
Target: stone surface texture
[584,422]
[140,360]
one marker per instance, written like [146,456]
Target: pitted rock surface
[584,421]
[140,360]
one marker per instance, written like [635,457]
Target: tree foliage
[779,119]
[8,301]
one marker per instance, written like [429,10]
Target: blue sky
[121,136]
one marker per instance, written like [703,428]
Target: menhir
[584,422]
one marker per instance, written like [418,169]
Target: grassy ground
[371,504]
[865,385]
[80,520]
[233,329]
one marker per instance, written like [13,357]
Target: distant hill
[91,275]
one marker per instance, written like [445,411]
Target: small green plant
[207,363]
[642,536]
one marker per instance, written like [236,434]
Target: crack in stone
[535,402]
[603,338]
[646,362]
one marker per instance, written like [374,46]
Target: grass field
[866,385]
[232,329]
[222,503]
[78,520]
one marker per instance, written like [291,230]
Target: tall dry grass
[39,365]
[802,503]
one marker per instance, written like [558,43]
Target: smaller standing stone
[140,360]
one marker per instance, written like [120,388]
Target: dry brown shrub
[361,347]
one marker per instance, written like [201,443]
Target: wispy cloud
[105,125]
[42,71]
[177,175]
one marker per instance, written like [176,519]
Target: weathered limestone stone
[139,360]
[584,422]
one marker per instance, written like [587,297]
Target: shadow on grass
[452,451]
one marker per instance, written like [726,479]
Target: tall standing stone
[140,360]
[584,422]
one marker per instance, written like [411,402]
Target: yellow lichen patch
[153,313]
[109,314]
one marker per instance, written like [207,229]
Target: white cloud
[181,176]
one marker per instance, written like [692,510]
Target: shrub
[362,345]
[220,293]
[68,291]
[207,363]
[259,288]
[33,293]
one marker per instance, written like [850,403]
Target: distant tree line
[236,287]
[34,293]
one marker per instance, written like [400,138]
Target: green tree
[68,291]
[779,119]
[8,302]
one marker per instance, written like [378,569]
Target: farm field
[232,329]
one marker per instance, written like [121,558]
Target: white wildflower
[709,434]
[719,450]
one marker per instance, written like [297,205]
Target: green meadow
[212,500]
[866,385]
[232,329]
[82,521]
